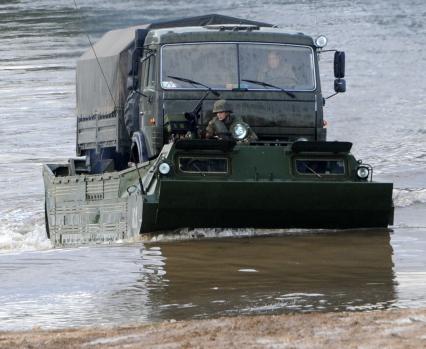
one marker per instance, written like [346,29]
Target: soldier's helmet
[221,105]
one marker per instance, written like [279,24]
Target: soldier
[219,127]
[278,72]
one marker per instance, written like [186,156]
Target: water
[383,114]
[133,283]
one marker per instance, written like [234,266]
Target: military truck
[144,97]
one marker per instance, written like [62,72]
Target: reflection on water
[197,279]
[277,274]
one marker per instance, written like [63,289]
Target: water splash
[34,239]
[22,230]
[213,233]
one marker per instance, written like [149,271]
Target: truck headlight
[239,131]
[363,172]
[164,168]
[321,41]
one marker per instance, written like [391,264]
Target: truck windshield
[225,66]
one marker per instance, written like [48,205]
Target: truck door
[150,120]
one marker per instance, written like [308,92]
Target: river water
[383,114]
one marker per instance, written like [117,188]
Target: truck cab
[269,76]
[136,84]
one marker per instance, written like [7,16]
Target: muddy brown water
[140,282]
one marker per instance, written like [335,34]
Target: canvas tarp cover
[103,91]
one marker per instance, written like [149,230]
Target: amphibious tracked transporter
[144,97]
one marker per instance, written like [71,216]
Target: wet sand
[397,328]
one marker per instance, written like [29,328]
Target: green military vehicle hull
[259,187]
[262,189]
[260,205]
[145,161]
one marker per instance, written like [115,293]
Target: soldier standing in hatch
[219,126]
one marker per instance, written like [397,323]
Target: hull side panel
[273,205]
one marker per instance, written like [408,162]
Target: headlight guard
[363,172]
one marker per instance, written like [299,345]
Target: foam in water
[13,238]
[409,196]
[212,233]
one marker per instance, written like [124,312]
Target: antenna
[96,56]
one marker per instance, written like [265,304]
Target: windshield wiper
[261,83]
[194,115]
[189,81]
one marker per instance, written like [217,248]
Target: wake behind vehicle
[145,164]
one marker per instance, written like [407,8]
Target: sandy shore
[399,328]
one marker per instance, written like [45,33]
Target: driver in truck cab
[276,69]
[221,125]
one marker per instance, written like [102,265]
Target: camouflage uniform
[221,128]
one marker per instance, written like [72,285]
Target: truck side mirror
[339,64]
[340,85]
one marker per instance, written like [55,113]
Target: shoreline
[395,328]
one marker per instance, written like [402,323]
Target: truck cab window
[213,64]
[149,72]
[225,66]
[289,67]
